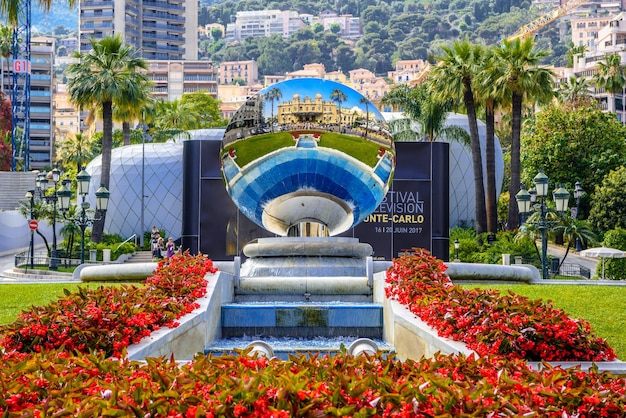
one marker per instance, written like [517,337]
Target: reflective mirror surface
[307,152]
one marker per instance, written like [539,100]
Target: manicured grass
[254,147]
[359,148]
[604,307]
[15,298]
[257,146]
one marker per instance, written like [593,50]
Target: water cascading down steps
[309,295]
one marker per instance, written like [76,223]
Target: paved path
[573,257]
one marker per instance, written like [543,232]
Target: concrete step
[140,257]
[302,320]
[282,348]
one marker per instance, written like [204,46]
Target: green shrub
[615,268]
[477,249]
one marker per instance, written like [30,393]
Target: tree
[207,106]
[132,110]
[521,78]
[574,229]
[176,115]
[573,144]
[216,34]
[608,210]
[6,123]
[611,77]
[491,96]
[75,149]
[107,74]
[339,97]
[455,77]
[575,91]
[6,48]
[273,94]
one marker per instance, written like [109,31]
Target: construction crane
[542,21]
[523,32]
[20,88]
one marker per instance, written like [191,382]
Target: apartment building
[160,29]
[610,40]
[406,70]
[41,144]
[263,23]
[172,79]
[351,27]
[231,71]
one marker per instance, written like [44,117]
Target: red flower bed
[111,318]
[488,322]
[59,384]
[61,365]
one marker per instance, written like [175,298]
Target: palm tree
[491,96]
[75,149]
[338,96]
[107,74]
[521,77]
[574,229]
[575,90]
[455,78]
[131,111]
[271,95]
[610,76]
[6,49]
[366,102]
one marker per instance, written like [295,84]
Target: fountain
[306,163]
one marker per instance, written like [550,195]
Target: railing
[41,259]
[566,269]
[132,237]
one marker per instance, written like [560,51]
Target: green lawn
[604,307]
[256,146]
[15,298]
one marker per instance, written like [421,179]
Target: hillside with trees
[393,30]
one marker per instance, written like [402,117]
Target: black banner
[415,212]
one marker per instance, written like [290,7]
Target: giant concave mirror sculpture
[307,151]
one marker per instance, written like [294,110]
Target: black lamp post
[524,200]
[456,250]
[83,220]
[54,175]
[30,195]
[578,192]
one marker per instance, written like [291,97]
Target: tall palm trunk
[490,155]
[516,126]
[107,144]
[481,217]
[126,132]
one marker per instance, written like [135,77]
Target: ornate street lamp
[54,175]
[578,192]
[83,220]
[30,195]
[456,250]
[526,200]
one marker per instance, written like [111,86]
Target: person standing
[170,248]
[154,243]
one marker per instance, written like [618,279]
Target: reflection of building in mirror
[247,121]
[307,110]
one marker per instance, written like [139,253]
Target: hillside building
[159,29]
[231,71]
[260,23]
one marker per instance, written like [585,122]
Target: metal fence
[39,259]
[566,269]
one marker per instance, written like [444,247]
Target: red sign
[21,66]
[33,224]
